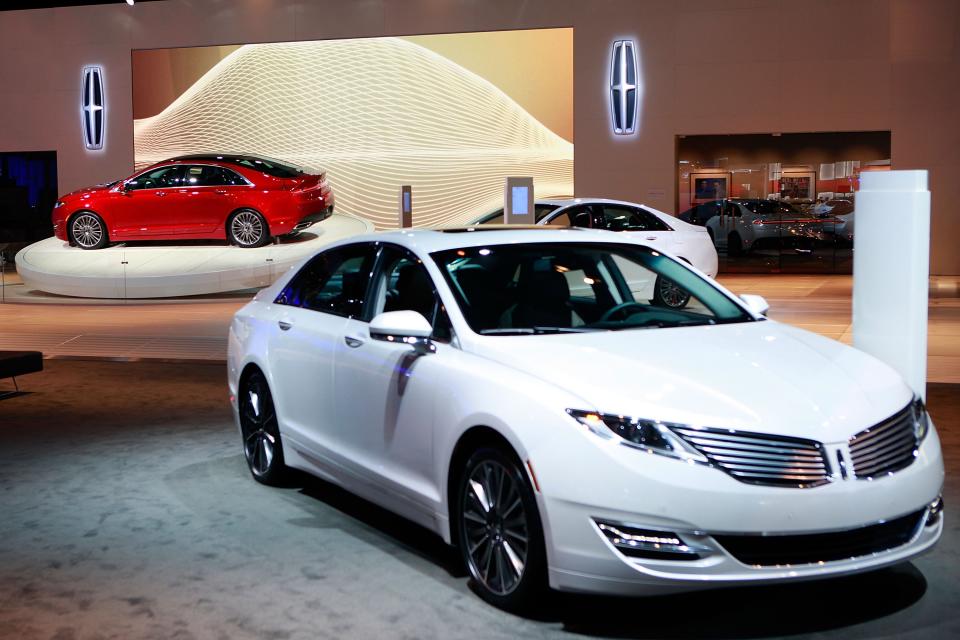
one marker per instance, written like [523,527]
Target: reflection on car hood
[756,376]
[95,188]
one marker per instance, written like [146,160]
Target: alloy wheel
[495,527]
[87,230]
[247,228]
[672,295]
[259,426]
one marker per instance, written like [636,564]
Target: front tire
[262,447]
[88,231]
[247,228]
[499,531]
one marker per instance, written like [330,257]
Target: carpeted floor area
[126,511]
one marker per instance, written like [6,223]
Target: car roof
[430,240]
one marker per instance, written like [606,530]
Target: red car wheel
[87,230]
[247,228]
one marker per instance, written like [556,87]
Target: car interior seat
[545,302]
[414,292]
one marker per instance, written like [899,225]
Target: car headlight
[59,204]
[653,436]
[921,421]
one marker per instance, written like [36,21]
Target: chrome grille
[755,458]
[885,447]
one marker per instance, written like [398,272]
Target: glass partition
[778,203]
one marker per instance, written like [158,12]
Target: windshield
[575,287]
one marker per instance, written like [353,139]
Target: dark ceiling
[16,5]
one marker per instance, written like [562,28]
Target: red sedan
[245,199]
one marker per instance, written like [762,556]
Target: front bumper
[699,504]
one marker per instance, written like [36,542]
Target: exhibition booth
[514,306]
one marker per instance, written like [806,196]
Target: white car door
[384,392]
[311,314]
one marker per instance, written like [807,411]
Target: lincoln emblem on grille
[623,87]
[92,107]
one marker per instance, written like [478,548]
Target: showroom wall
[708,67]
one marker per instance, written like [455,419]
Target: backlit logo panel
[92,111]
[623,87]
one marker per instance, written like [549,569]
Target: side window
[229,177]
[333,282]
[161,178]
[652,222]
[210,176]
[622,218]
[560,220]
[580,217]
[404,284]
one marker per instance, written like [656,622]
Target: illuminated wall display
[624,87]
[93,108]
[451,115]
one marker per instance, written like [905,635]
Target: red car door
[209,193]
[141,206]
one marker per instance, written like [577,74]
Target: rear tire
[247,228]
[87,230]
[262,447]
[499,532]
[667,294]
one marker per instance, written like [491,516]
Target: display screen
[519,201]
[452,115]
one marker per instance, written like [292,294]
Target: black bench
[18,363]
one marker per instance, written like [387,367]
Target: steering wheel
[621,308]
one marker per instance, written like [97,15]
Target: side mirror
[405,327]
[756,304]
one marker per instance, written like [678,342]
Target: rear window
[270,167]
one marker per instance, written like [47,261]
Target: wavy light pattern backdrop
[376,113]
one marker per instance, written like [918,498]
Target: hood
[86,190]
[756,376]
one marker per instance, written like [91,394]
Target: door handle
[353,341]
[651,237]
[284,325]
[161,194]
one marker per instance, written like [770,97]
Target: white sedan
[689,242]
[592,441]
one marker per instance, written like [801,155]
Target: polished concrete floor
[126,511]
[196,328]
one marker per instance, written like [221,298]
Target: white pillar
[891,270]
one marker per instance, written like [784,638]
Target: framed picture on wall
[709,186]
[798,186]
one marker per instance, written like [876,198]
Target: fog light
[936,508]
[645,543]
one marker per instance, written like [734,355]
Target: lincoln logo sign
[92,107]
[623,87]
